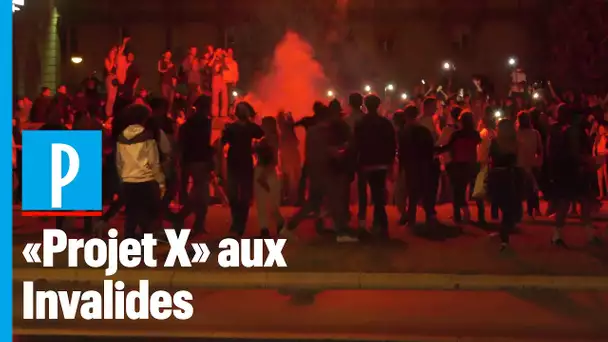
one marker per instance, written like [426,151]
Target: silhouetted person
[375,145]
[462,147]
[307,122]
[417,160]
[197,163]
[504,178]
[63,103]
[239,136]
[41,106]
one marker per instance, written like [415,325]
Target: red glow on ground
[61,213]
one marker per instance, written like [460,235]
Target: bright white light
[512,61]
[330,93]
[368,88]
[76,59]
[390,87]
[404,96]
[235,94]
[423,81]
[447,65]
[536,96]
[497,114]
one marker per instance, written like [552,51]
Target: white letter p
[57,179]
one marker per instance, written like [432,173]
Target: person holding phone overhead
[168,80]
[110,79]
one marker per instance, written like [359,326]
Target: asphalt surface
[524,315]
[446,249]
[146,339]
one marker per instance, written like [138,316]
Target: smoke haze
[295,80]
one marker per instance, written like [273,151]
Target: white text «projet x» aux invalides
[115,303]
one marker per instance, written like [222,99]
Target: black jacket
[195,140]
[375,141]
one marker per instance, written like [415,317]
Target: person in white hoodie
[139,168]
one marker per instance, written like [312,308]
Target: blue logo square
[61,170]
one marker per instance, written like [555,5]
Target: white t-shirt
[517,77]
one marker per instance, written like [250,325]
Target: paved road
[361,315]
[449,250]
[148,339]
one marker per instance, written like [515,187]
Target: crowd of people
[216,73]
[438,147]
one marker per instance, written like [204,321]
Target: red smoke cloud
[293,83]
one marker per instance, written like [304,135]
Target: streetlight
[447,66]
[423,81]
[536,96]
[76,59]
[390,87]
[497,114]
[512,61]
[368,88]
[235,93]
[404,96]
[330,93]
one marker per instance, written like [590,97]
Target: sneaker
[432,221]
[466,215]
[288,234]
[402,220]
[362,224]
[281,225]
[559,243]
[161,237]
[346,238]
[100,228]
[596,242]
